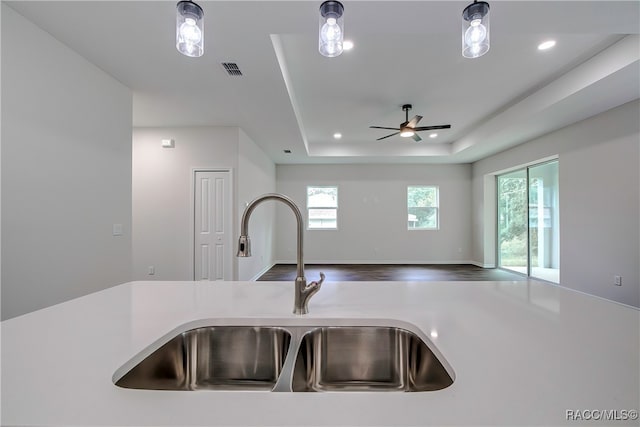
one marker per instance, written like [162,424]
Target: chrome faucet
[303,292]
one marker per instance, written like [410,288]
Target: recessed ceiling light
[433,135]
[347,45]
[546,45]
[337,135]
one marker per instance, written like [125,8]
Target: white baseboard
[481,265]
[399,262]
[261,272]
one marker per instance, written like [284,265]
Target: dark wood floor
[398,272]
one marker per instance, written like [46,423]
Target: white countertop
[523,353]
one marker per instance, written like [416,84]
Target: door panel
[544,236]
[512,221]
[212,234]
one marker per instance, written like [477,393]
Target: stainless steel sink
[214,358]
[366,359]
[324,355]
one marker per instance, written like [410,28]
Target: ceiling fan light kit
[189,29]
[406,132]
[331,32]
[475,29]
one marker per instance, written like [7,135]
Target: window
[422,207]
[322,208]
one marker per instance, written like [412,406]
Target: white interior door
[212,226]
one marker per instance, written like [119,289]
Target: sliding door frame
[526,168]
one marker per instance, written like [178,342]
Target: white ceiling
[290,97]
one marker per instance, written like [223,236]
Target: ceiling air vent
[232,68]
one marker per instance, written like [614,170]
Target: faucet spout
[303,291]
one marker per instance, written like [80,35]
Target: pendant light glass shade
[331,34]
[475,30]
[189,29]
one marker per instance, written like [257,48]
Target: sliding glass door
[512,221]
[544,231]
[528,221]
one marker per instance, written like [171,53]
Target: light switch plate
[117,230]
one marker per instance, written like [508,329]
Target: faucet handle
[314,286]
[318,283]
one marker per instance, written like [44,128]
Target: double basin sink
[324,356]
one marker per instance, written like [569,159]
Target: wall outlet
[617,280]
[152,270]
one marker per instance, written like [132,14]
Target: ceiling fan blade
[416,138]
[380,127]
[432,127]
[387,136]
[414,121]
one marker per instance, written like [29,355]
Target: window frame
[436,207]
[308,221]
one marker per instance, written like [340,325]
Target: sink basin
[286,355]
[214,358]
[366,359]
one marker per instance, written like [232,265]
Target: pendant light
[189,29]
[331,28]
[475,29]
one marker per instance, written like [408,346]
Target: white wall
[599,163]
[66,172]
[257,175]
[372,214]
[162,194]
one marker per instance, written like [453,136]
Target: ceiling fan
[408,127]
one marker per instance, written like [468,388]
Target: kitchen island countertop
[522,353]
